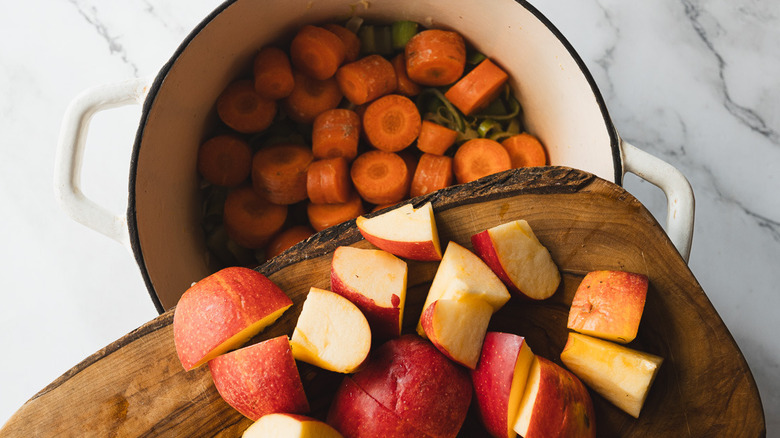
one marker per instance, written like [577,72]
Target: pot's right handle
[678,191]
[70,151]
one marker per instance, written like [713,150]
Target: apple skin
[609,305]
[260,379]
[445,321]
[290,426]
[222,312]
[389,230]
[409,376]
[483,247]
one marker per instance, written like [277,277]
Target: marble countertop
[692,82]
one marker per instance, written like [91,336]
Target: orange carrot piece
[336,133]
[328,181]
[317,52]
[435,138]
[411,158]
[279,172]
[479,157]
[310,97]
[435,57]
[322,216]
[405,85]
[433,172]
[525,150]
[243,109]
[225,160]
[478,88]
[392,122]
[380,177]
[286,239]
[273,76]
[250,220]
[349,38]
[366,79]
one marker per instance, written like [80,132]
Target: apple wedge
[518,258]
[457,328]
[222,312]
[260,379]
[375,281]
[620,374]
[331,333]
[289,426]
[500,380]
[404,231]
[609,305]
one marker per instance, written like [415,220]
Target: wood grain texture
[137,387]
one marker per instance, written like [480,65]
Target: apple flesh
[457,328]
[260,379]
[289,426]
[500,380]
[222,312]
[518,258]
[620,374]
[331,333]
[404,231]
[375,281]
[609,305]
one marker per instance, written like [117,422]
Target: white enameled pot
[560,100]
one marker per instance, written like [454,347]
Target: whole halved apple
[290,426]
[457,328]
[404,231]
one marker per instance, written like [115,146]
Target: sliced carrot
[433,172]
[286,239]
[435,138]
[328,181]
[479,157]
[366,79]
[279,172]
[380,177]
[310,97]
[405,85]
[243,109]
[225,160]
[273,76]
[317,52]
[349,38]
[250,220]
[477,88]
[435,57]
[392,122]
[336,133]
[323,216]
[525,150]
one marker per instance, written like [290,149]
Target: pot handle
[70,151]
[678,191]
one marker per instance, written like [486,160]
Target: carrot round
[250,220]
[405,85]
[435,57]
[285,239]
[380,177]
[310,97]
[366,79]
[479,157]
[328,181]
[317,52]
[225,160]
[273,76]
[392,122]
[435,138]
[336,133]
[279,172]
[433,172]
[322,216]
[349,38]
[244,109]
[525,150]
[478,88]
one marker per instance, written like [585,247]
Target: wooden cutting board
[137,387]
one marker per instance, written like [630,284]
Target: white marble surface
[692,82]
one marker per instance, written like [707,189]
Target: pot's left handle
[70,151]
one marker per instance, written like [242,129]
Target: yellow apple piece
[404,231]
[457,328]
[620,374]
[331,332]
[518,258]
[222,312]
[282,425]
[609,305]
